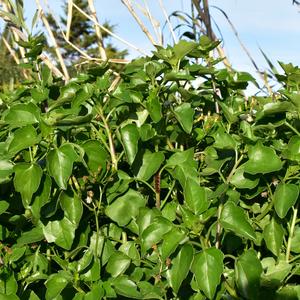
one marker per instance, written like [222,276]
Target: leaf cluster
[165,183]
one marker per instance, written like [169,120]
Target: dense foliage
[165,183]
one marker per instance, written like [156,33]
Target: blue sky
[273,25]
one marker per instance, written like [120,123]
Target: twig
[130,8]
[69,19]
[97,30]
[57,50]
[109,32]
[155,24]
[168,21]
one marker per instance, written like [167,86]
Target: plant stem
[292,128]
[291,234]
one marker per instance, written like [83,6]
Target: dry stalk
[161,4]
[130,8]
[69,18]
[155,24]
[14,56]
[51,35]
[97,30]
[110,32]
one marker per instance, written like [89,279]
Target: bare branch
[130,8]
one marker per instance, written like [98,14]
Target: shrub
[163,183]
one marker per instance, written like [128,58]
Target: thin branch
[14,56]
[130,8]
[109,32]
[155,24]
[69,18]
[168,21]
[57,50]
[97,30]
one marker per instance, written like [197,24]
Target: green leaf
[118,263]
[171,241]
[273,235]
[23,138]
[180,267]
[6,169]
[153,106]
[27,180]
[96,156]
[150,164]
[71,205]
[233,218]
[182,48]
[154,233]
[184,114]
[248,270]
[293,149]
[32,236]
[262,159]
[126,207]
[295,245]
[285,196]
[56,283]
[195,197]
[208,268]
[223,140]
[126,287]
[242,180]
[22,114]
[60,232]
[60,164]
[42,197]
[85,261]
[3,207]
[274,108]
[8,283]
[130,137]
[96,292]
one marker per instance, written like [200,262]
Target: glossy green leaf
[85,261]
[32,236]
[126,207]
[295,244]
[183,47]
[3,207]
[195,197]
[273,236]
[60,164]
[56,283]
[154,233]
[8,283]
[248,270]
[22,114]
[96,156]
[208,268]
[150,165]
[234,219]
[184,114]
[154,107]
[223,140]
[118,263]
[23,138]
[285,197]
[180,267]
[293,149]
[242,180]
[27,180]
[274,108]
[126,287]
[96,292]
[42,196]
[262,159]
[130,137]
[60,232]
[171,241]
[6,169]
[71,204]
